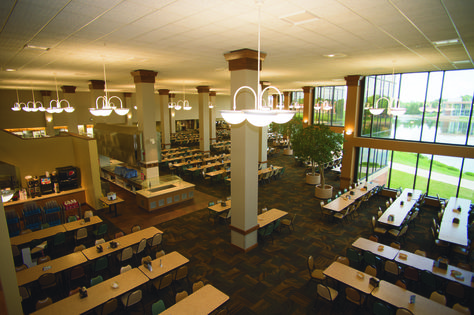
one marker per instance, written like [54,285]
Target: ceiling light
[107,104]
[299,18]
[58,109]
[17,106]
[461,62]
[10,70]
[446,42]
[261,115]
[393,107]
[335,55]
[36,47]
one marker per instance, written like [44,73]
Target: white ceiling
[185,40]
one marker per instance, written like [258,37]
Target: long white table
[350,276]
[269,216]
[456,233]
[398,211]
[347,199]
[376,248]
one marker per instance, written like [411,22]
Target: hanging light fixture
[393,107]
[211,105]
[107,103]
[262,115]
[33,103]
[184,102]
[58,109]
[17,106]
[326,106]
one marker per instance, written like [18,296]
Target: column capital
[244,59]
[212,93]
[68,89]
[163,92]
[353,80]
[45,93]
[203,89]
[96,85]
[144,76]
[307,89]
[127,94]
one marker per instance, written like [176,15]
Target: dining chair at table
[380,308]
[96,280]
[125,255]
[136,228]
[371,270]
[354,257]
[289,223]
[392,271]
[43,303]
[119,234]
[49,284]
[180,296]
[163,283]
[455,292]
[155,242]
[266,232]
[462,309]
[132,298]
[226,217]
[314,273]
[398,235]
[343,260]
[403,311]
[400,283]
[109,307]
[377,230]
[158,307]
[354,297]
[101,231]
[100,266]
[80,236]
[139,249]
[325,214]
[197,285]
[327,293]
[180,275]
[438,297]
[344,214]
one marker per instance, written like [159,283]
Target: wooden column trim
[244,232]
[68,89]
[244,59]
[164,92]
[203,89]
[144,76]
[96,85]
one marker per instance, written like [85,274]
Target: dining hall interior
[170,157]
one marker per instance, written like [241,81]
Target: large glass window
[330,105]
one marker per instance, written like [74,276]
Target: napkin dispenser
[111,196]
[351,192]
[441,264]
[391,218]
[456,221]
[83,292]
[113,244]
[374,282]
[87,219]
[99,248]
[223,204]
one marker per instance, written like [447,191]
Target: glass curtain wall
[330,105]
[438,110]
[297,103]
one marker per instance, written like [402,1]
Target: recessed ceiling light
[336,55]
[35,47]
[446,42]
[300,17]
[10,70]
[460,62]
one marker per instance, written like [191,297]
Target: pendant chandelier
[57,108]
[107,103]
[393,107]
[295,105]
[262,115]
[184,103]
[35,105]
[18,105]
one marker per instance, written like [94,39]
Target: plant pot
[323,193]
[287,151]
[313,179]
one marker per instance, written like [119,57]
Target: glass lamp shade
[69,109]
[283,116]
[16,107]
[260,118]
[121,111]
[233,117]
[186,105]
[376,111]
[171,104]
[7,195]
[100,112]
[398,111]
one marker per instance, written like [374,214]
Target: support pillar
[351,126]
[243,65]
[172,112]
[286,100]
[203,103]
[49,118]
[127,100]
[144,85]
[212,117]
[308,108]
[165,118]
[69,93]
[263,131]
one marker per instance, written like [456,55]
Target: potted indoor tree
[320,145]
[289,128]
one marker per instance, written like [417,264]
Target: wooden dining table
[122,242]
[164,264]
[349,276]
[36,235]
[449,231]
[220,208]
[376,248]
[97,294]
[202,302]
[75,225]
[269,216]
[53,266]
[397,211]
[349,197]
[400,298]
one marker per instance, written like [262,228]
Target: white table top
[350,276]
[203,301]
[400,212]
[169,262]
[270,216]
[378,249]
[452,232]
[343,201]
[219,208]
[400,297]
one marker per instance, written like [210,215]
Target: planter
[313,179]
[288,151]
[323,193]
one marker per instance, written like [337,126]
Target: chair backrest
[77,273]
[141,246]
[197,285]
[343,260]
[159,254]
[99,241]
[136,228]
[158,307]
[324,292]
[47,280]
[403,311]
[125,268]
[79,248]
[420,252]
[353,295]
[401,284]
[134,298]
[371,270]
[411,273]
[166,280]
[381,309]
[127,253]
[59,238]
[396,245]
[391,267]
[119,234]
[81,233]
[96,280]
[103,228]
[181,273]
[101,264]
[157,238]
[109,307]
[455,289]
[438,297]
[462,309]
[43,303]
[43,259]
[88,214]
[310,263]
[181,295]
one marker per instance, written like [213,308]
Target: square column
[172,113]
[308,106]
[243,65]
[203,103]
[165,118]
[145,98]
[69,93]
[212,117]
[49,118]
